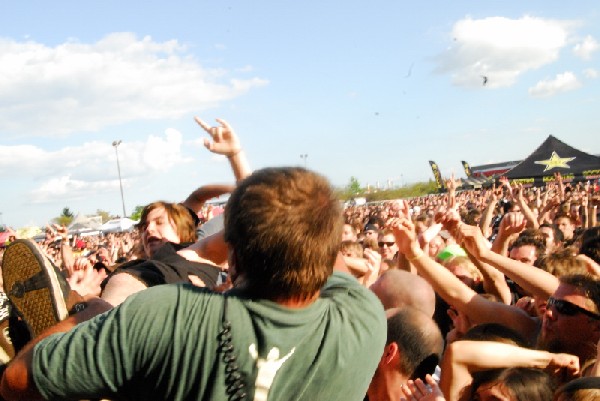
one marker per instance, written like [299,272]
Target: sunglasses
[569,309]
[389,244]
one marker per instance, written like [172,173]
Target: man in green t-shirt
[290,329]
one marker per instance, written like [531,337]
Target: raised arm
[462,358]
[225,142]
[561,186]
[451,185]
[531,218]
[66,253]
[488,213]
[494,282]
[196,199]
[535,281]
[512,224]
[454,291]
[506,185]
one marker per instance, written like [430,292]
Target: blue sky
[366,89]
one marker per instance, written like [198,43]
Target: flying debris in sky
[410,70]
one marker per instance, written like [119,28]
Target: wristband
[421,253]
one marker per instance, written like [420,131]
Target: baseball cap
[451,251]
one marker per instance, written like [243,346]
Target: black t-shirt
[168,267]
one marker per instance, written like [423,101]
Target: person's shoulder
[344,289]
[170,296]
[341,281]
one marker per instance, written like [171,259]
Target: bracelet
[234,154]
[416,257]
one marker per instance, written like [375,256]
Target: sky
[366,89]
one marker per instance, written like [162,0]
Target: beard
[549,344]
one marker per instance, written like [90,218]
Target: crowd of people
[488,294]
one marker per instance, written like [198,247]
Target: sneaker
[34,286]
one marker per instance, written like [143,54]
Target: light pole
[304,156]
[116,145]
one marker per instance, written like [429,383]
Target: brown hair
[523,384]
[352,246]
[531,237]
[284,225]
[586,284]
[564,215]
[582,389]
[179,214]
[561,263]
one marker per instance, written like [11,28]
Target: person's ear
[391,353]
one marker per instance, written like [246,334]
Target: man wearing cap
[371,233]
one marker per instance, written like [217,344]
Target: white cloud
[90,168]
[501,49]
[67,189]
[74,87]
[564,82]
[590,73]
[586,48]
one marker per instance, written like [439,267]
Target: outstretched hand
[224,139]
[512,223]
[61,230]
[452,184]
[374,265]
[472,240]
[417,390]
[449,219]
[405,234]
[87,281]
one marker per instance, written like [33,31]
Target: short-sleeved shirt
[162,344]
[168,267]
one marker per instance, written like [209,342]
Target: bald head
[398,288]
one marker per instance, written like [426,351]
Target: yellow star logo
[555,161]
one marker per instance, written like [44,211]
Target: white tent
[118,225]
[83,224]
[28,232]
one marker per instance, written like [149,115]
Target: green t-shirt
[161,344]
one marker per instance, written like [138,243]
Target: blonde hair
[465,263]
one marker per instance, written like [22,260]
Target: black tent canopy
[555,156]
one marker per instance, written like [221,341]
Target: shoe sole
[40,308]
